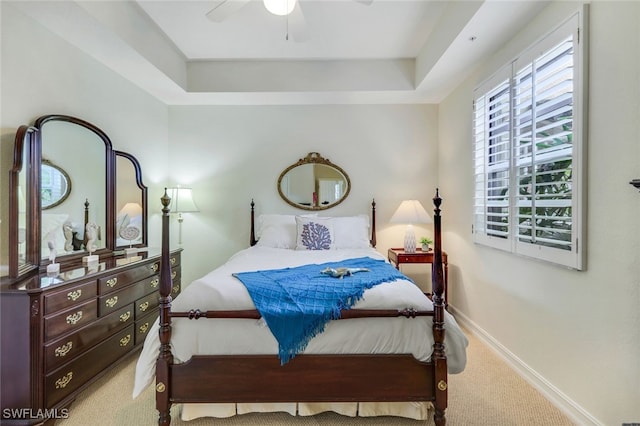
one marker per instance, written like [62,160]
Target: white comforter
[220,290]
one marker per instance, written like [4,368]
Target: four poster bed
[386,346]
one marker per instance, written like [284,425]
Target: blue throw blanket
[297,303]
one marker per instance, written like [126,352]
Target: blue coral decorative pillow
[314,233]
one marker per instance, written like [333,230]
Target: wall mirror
[64,180]
[313,183]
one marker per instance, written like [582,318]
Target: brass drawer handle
[144,327]
[174,274]
[144,306]
[125,317]
[173,261]
[111,302]
[63,381]
[74,295]
[175,289]
[64,349]
[154,267]
[74,318]
[112,282]
[125,340]
[154,282]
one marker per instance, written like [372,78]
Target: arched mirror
[23,252]
[131,202]
[80,153]
[64,180]
[314,183]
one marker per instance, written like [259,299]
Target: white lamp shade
[182,200]
[410,212]
[131,210]
[280,7]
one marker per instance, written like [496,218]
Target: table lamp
[410,212]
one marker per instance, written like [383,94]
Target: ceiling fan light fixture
[280,7]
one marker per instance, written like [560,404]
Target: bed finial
[373,240]
[165,200]
[437,200]
[252,236]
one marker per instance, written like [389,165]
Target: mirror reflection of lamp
[181,202]
[410,212]
[129,220]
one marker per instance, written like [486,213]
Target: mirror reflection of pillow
[52,231]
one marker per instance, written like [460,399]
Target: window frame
[505,204]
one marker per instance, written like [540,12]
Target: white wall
[230,155]
[42,74]
[576,333]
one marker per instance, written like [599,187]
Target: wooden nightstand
[398,256]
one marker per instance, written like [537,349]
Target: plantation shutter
[543,136]
[492,132]
[528,134]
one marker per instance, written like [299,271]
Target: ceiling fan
[296,23]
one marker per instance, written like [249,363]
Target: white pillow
[278,230]
[351,232]
[314,233]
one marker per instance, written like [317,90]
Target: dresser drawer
[174,260]
[69,296]
[144,325]
[117,281]
[65,349]
[151,283]
[175,288]
[69,377]
[146,304]
[113,301]
[70,319]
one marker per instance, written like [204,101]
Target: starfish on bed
[342,272]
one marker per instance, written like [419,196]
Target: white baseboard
[565,404]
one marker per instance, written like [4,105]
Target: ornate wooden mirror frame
[25,205]
[314,183]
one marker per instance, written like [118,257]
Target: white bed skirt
[411,410]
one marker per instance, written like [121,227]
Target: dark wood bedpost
[373,223]
[252,238]
[165,357]
[437,282]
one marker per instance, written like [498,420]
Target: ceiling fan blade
[365,2]
[298,28]
[223,8]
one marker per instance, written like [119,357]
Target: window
[528,122]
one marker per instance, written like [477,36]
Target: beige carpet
[488,393]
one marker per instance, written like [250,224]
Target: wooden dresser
[61,333]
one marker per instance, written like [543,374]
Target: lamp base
[53,269]
[91,259]
[410,240]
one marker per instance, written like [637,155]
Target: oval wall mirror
[313,183]
[55,185]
